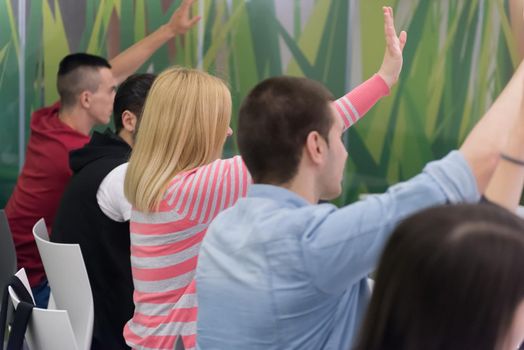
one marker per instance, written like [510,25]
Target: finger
[384,10]
[186,5]
[403,38]
[194,21]
[387,18]
[389,28]
[392,19]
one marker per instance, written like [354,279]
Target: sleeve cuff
[455,178]
[381,84]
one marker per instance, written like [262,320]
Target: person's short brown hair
[274,122]
[78,72]
[131,96]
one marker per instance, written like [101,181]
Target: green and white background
[460,53]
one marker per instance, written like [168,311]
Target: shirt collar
[278,194]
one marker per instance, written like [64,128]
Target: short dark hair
[131,95]
[274,122]
[78,72]
[450,278]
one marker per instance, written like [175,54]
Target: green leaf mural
[460,54]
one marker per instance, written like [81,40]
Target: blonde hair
[183,126]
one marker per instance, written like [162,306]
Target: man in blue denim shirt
[278,271]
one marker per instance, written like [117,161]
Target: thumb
[403,38]
[194,21]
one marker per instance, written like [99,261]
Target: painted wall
[460,53]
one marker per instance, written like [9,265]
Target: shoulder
[113,182]
[223,164]
[117,175]
[110,195]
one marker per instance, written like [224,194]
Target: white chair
[69,282]
[47,329]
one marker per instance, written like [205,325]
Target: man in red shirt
[86,85]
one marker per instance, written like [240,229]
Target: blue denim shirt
[276,272]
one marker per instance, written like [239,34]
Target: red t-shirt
[41,184]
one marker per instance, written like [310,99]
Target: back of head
[274,122]
[76,73]
[131,96]
[184,125]
[449,278]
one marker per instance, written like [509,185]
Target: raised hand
[180,22]
[392,63]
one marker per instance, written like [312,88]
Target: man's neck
[303,185]
[126,136]
[76,119]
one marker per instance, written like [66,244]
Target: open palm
[392,63]
[181,21]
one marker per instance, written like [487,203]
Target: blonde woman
[177,184]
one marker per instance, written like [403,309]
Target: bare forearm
[127,62]
[487,140]
[505,187]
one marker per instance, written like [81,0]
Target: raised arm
[354,105]
[346,243]
[350,254]
[505,187]
[127,62]
[499,131]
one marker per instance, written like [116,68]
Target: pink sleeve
[355,104]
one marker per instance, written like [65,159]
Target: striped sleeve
[212,188]
[235,180]
[355,104]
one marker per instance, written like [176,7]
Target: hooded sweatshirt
[40,185]
[104,243]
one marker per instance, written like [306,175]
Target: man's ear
[85,99]
[315,147]
[129,121]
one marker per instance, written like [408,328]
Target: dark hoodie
[104,243]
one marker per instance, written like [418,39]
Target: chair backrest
[69,282]
[7,252]
[47,329]
[22,276]
[40,230]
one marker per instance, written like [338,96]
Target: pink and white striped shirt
[165,243]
